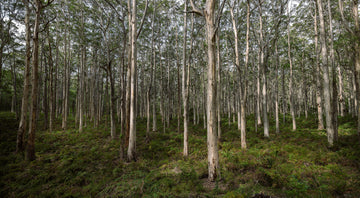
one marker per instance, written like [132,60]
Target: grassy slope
[292,164]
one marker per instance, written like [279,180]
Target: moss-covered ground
[290,164]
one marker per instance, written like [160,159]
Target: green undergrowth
[289,164]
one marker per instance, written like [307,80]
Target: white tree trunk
[131,154]
[20,146]
[291,94]
[318,84]
[326,82]
[264,79]
[184,87]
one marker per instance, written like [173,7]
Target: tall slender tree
[326,81]
[26,88]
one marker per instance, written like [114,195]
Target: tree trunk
[326,82]
[258,117]
[276,89]
[45,96]
[244,89]
[52,88]
[341,96]
[65,83]
[14,97]
[128,77]
[218,95]
[264,79]
[355,10]
[132,126]
[24,102]
[148,91]
[284,94]
[178,85]
[334,112]
[291,94]
[112,102]
[213,155]
[184,87]
[318,84]
[30,150]
[212,144]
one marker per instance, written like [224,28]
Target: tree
[355,33]
[30,149]
[291,98]
[211,29]
[24,102]
[326,82]
[243,92]
[263,72]
[184,86]
[131,153]
[317,75]
[66,77]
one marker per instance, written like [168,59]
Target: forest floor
[290,164]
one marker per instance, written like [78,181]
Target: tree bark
[291,97]
[30,149]
[24,102]
[65,82]
[318,84]
[132,126]
[52,88]
[213,155]
[264,78]
[334,112]
[244,89]
[81,92]
[148,91]
[212,144]
[184,87]
[276,89]
[326,82]
[218,95]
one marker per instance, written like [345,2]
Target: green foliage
[290,164]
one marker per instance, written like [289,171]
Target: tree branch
[47,4]
[195,9]
[47,23]
[143,19]
[344,21]
[113,7]
[219,17]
